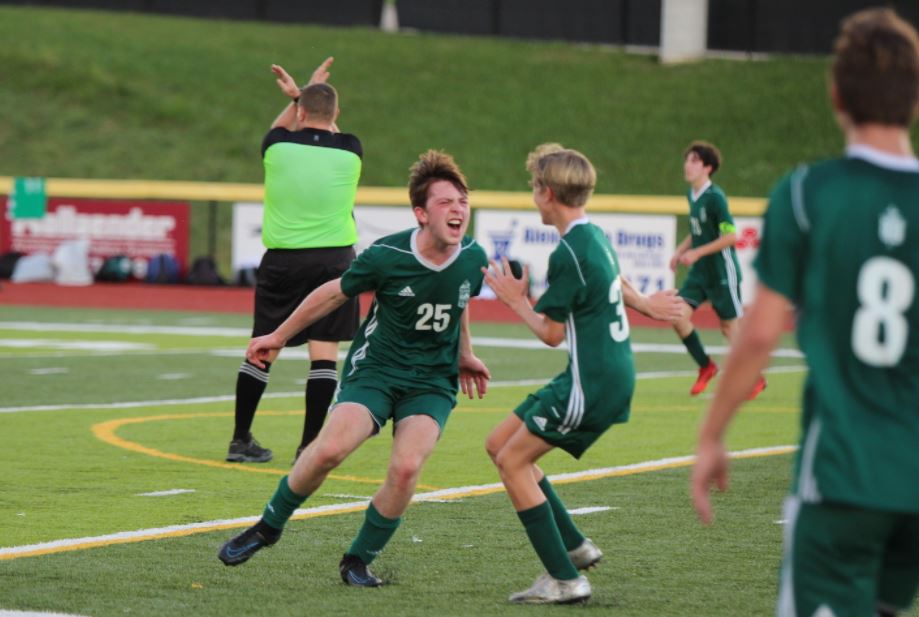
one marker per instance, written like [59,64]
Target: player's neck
[699,184]
[564,215]
[888,139]
[322,126]
[433,249]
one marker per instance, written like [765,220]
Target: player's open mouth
[456,224]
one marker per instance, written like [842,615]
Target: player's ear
[421,215]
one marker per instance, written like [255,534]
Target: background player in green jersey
[708,252]
[308,229]
[841,244]
[585,305]
[405,363]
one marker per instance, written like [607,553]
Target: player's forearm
[465,341]
[633,298]
[545,329]
[757,336]
[716,246]
[322,301]
[683,246]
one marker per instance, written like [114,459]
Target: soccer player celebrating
[708,252]
[585,304]
[403,365]
[841,244]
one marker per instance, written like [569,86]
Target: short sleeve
[276,135]
[362,275]
[565,284]
[780,261]
[718,211]
[481,260]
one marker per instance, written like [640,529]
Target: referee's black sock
[320,388]
[250,384]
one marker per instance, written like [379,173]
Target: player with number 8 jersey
[411,334]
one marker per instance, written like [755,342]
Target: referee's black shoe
[354,572]
[247,450]
[239,549]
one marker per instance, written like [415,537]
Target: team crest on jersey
[892,227]
[464,291]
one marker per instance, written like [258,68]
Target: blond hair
[320,101]
[567,172]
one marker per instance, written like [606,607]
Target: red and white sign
[138,229]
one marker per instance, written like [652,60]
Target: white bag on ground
[71,263]
[35,268]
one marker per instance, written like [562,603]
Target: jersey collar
[581,221]
[882,159]
[427,264]
[696,196]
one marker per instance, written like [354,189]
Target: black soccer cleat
[239,549]
[354,572]
[247,450]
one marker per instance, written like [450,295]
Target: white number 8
[882,312]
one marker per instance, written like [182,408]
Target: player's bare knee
[492,447]
[328,456]
[404,472]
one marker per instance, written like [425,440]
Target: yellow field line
[105,431]
[61,546]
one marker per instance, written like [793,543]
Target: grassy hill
[120,95]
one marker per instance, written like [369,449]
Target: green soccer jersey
[841,241]
[585,293]
[709,219]
[411,335]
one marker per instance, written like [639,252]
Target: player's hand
[689,257]
[711,468]
[285,82]
[321,74]
[674,261]
[508,288]
[260,349]
[473,376]
[665,305]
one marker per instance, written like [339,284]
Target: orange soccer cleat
[706,374]
[759,387]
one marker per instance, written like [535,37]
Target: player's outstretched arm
[757,336]
[322,301]
[512,291]
[663,305]
[691,256]
[681,248]
[473,374]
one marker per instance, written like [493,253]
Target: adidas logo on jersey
[540,422]
[407,292]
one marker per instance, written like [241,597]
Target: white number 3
[879,330]
[619,330]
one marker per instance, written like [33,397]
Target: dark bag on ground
[163,269]
[203,271]
[8,263]
[247,277]
[115,269]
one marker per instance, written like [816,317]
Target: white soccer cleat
[549,590]
[585,556]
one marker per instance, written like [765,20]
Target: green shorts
[545,416]
[725,298]
[387,401]
[846,558]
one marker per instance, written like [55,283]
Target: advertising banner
[373,222]
[749,232]
[644,244]
[138,229]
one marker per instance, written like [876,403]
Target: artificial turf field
[115,496]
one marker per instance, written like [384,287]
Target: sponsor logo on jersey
[464,290]
[407,292]
[540,422]
[892,227]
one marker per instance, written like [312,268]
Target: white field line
[229,397]
[482,341]
[172,491]
[172,531]
[591,510]
[6,613]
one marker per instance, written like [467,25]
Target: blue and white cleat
[354,572]
[245,545]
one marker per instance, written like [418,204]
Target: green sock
[282,505]
[545,538]
[374,534]
[571,535]
[696,350]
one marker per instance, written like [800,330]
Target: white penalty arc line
[229,398]
[174,531]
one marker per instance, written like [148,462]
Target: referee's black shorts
[286,276]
